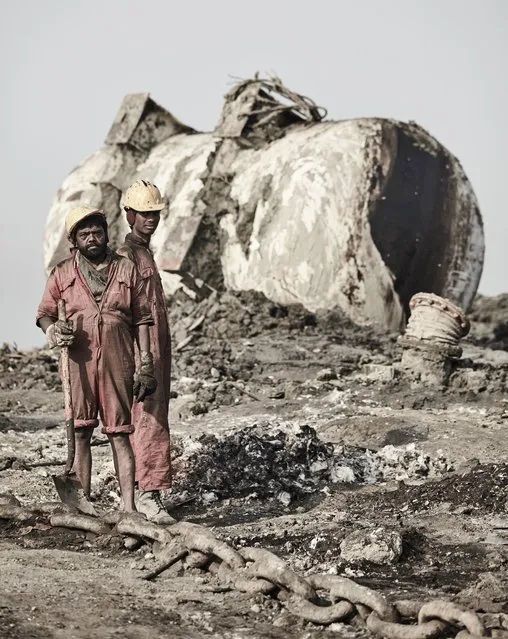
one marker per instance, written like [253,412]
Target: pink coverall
[151,440]
[101,357]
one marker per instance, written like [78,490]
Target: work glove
[144,379]
[60,334]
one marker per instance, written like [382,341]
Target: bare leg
[125,467]
[83,461]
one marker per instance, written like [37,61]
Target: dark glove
[144,380]
[60,334]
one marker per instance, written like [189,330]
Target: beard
[95,252]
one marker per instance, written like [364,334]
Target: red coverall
[101,357]
[151,440]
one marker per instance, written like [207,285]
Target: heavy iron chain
[319,598]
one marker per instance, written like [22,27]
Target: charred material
[265,461]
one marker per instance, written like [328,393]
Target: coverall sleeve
[141,313]
[49,302]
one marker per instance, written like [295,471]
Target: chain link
[391,630]
[268,566]
[320,598]
[453,614]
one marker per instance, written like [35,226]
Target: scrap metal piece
[142,123]
[431,341]
[181,233]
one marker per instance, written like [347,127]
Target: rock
[495,620]
[342,475]
[183,404]
[188,385]
[488,590]
[318,466]
[380,546]
[379,372]
[326,374]
[6,499]
[284,620]
[206,395]
[132,543]
[199,408]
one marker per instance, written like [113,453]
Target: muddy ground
[259,391]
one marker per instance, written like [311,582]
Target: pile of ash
[28,369]
[263,461]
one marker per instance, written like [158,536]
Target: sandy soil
[453,523]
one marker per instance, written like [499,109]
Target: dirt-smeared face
[91,241]
[146,222]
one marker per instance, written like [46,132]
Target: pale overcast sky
[66,65]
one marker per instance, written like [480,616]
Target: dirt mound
[220,338]
[238,314]
[491,309]
[489,321]
[244,314]
[482,490]
[37,368]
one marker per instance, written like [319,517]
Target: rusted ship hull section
[358,214]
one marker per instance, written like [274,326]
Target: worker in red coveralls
[107,310]
[151,440]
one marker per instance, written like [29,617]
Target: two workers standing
[119,347]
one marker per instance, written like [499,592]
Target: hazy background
[65,67]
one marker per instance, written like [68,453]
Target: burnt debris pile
[287,462]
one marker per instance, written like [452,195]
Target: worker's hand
[144,380]
[60,334]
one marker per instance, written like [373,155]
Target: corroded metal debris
[431,341]
[355,214]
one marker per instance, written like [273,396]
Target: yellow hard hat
[80,213]
[143,196]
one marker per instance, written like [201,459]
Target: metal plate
[178,243]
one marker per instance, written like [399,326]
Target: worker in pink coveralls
[107,311]
[151,440]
